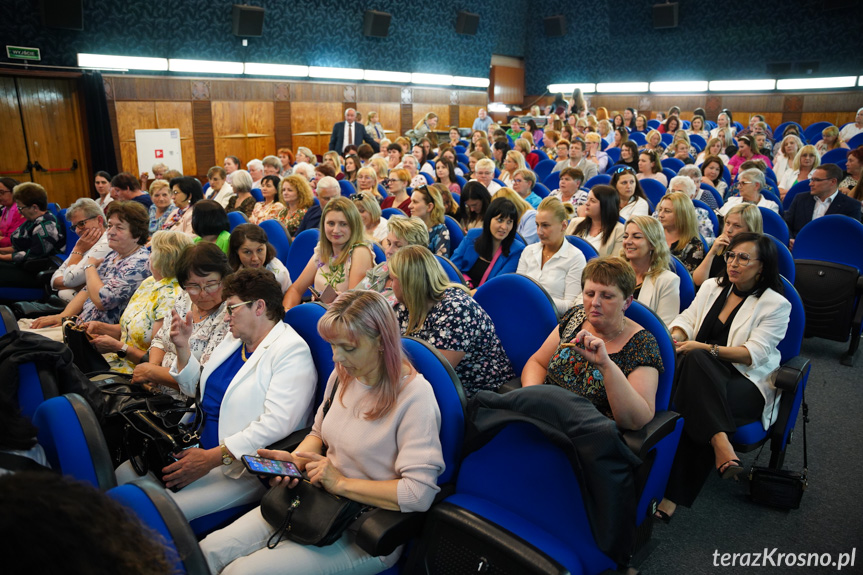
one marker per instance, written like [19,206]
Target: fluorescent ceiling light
[436,79]
[813,83]
[255,69]
[336,73]
[384,76]
[742,85]
[117,62]
[472,82]
[860,81]
[205,66]
[692,86]
[611,87]
[569,88]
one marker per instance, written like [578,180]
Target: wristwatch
[227,458]
[123,351]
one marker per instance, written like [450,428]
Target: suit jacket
[800,212]
[662,295]
[360,136]
[465,256]
[759,325]
[270,397]
[311,220]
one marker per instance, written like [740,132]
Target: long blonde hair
[660,255]
[686,221]
[521,205]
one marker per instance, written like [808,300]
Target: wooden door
[13,148]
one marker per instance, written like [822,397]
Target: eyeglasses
[195,289]
[742,258]
[744,183]
[358,197]
[819,179]
[80,225]
[231,308]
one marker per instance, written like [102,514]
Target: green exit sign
[22,53]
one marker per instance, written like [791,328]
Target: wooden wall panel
[143,88]
[366,93]
[13,148]
[507,84]
[406,118]
[228,120]
[846,102]
[259,118]
[202,125]
[224,147]
[472,98]
[302,92]
[282,125]
[467,114]
[175,115]
[312,123]
[133,116]
[129,158]
[835,118]
[190,164]
[231,90]
[431,96]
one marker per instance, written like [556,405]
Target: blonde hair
[527,174]
[368,171]
[305,196]
[401,174]
[660,255]
[485,163]
[686,221]
[751,216]
[355,222]
[158,185]
[425,119]
[432,196]
[521,206]
[833,132]
[650,135]
[518,158]
[370,204]
[422,281]
[808,149]
[411,230]
[167,247]
[785,140]
[380,166]
[553,206]
[337,160]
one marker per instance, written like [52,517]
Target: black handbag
[308,514]
[85,355]
[777,487]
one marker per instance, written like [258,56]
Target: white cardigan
[662,295]
[270,397]
[759,325]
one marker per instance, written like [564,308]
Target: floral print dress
[690,255]
[336,275]
[292,221]
[264,211]
[120,278]
[439,241]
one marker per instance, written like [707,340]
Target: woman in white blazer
[645,249]
[257,388]
[726,342]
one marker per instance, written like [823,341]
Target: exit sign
[22,53]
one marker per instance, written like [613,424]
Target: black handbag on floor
[85,355]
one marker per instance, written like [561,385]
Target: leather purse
[85,355]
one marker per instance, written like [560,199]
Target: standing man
[350,133]
[823,199]
[482,121]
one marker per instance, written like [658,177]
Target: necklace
[243,353]
[609,340]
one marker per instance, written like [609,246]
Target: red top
[390,200]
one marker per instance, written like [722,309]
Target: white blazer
[270,397]
[759,325]
[224,195]
[662,295]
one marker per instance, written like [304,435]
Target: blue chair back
[673,164]
[710,214]
[834,238]
[856,141]
[236,218]
[775,225]
[798,188]
[450,398]
[654,190]
[380,256]
[647,318]
[382,191]
[773,198]
[540,190]
[456,235]
[450,270]
[460,181]
[158,512]
[813,131]
[463,167]
[542,155]
[520,339]
[543,169]
[278,236]
[834,156]
[54,208]
[552,181]
[779,132]
[687,286]
[596,180]
[387,213]
[614,154]
[460,149]
[770,174]
[347,189]
[667,138]
[586,249]
[456,197]
[73,442]
[497,172]
[304,319]
[698,141]
[302,249]
[639,138]
[654,124]
[786,261]
[713,192]
[726,175]
[669,173]
[429,178]
[739,127]
[256,193]
[500,182]
[463,158]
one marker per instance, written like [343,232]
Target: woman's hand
[94,262]
[143,374]
[721,242]
[191,465]
[106,344]
[685,347]
[87,239]
[290,482]
[590,347]
[181,330]
[321,472]
[96,328]
[46,321]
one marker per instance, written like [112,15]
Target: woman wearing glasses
[250,248]
[257,388]
[88,220]
[742,218]
[187,191]
[749,184]
[726,344]
[397,188]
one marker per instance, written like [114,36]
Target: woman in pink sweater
[379,445]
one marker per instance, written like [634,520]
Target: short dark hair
[326,170]
[833,171]
[125,181]
[574,173]
[502,146]
[202,259]
[769,257]
[499,207]
[217,170]
[189,186]
[235,159]
[396,147]
[253,233]
[611,271]
[134,214]
[31,193]
[253,284]
[103,174]
[209,218]
[365,151]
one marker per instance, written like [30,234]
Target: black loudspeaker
[247,21]
[66,14]
[467,23]
[665,15]
[555,26]
[376,24]
[778,69]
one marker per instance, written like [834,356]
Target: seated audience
[715,148]
[450,205]
[723,122]
[187,192]
[654,143]
[600,226]
[286,157]
[242,201]
[853,169]
[231,164]
[327,189]
[578,161]
[397,188]
[523,182]
[805,162]
[830,140]
[656,284]
[250,248]
[686,186]
[599,354]
[726,343]
[484,174]
[38,238]
[650,167]
[367,181]
[823,199]
[128,187]
[594,154]
[273,203]
[102,183]
[352,166]
[553,262]
[298,199]
[747,150]
[427,205]
[87,219]
[750,183]
[633,200]
[305,155]
[475,199]
[854,128]
[569,191]
[10,218]
[696,128]
[676,214]
[162,207]
[379,445]
[712,170]
[374,225]
[401,232]
[629,155]
[526,224]
[742,218]
[693,172]
[442,313]
[445,174]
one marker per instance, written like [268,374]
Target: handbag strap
[491,265]
[329,402]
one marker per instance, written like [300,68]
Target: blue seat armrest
[646,438]
[381,531]
[291,442]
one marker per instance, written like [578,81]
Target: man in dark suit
[823,199]
[350,133]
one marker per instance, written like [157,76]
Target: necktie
[350,134]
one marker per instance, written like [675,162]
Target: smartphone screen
[315,292]
[271,467]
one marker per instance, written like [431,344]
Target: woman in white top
[553,262]
[512,162]
[784,158]
[601,225]
[714,147]
[370,212]
[645,249]
[696,128]
[722,122]
[250,248]
[103,187]
[805,162]
[650,167]
[632,200]
[526,215]
[749,184]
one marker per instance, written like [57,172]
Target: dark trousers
[713,397]
[18,275]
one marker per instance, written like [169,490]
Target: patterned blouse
[264,211]
[376,280]
[246,207]
[569,370]
[458,323]
[157,221]
[174,217]
[336,276]
[151,302]
[292,222]
[691,254]
[39,238]
[439,242]
[120,278]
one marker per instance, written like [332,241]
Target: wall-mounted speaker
[247,21]
[65,14]
[467,23]
[376,24]
[665,15]
[555,26]
[778,69]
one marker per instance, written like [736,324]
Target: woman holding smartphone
[378,445]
